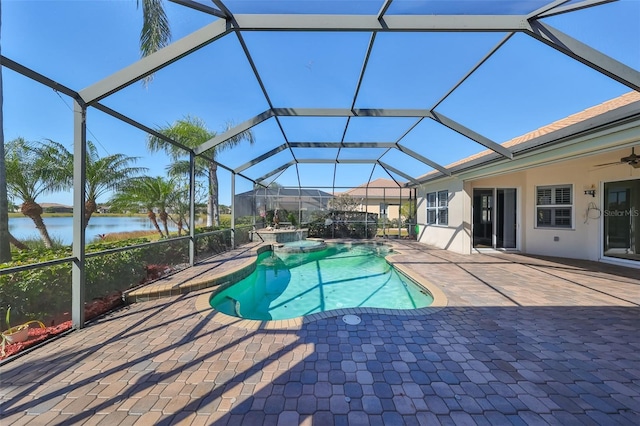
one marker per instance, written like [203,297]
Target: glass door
[622,219]
[495,218]
[483,218]
[506,218]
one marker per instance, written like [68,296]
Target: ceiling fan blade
[609,164]
[635,165]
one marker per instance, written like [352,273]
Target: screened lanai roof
[338,93]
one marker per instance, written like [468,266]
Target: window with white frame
[438,208]
[554,206]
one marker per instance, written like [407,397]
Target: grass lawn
[392,232]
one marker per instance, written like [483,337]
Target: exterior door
[483,218]
[622,219]
[495,218]
[506,218]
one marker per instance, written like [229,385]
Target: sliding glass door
[621,213]
[495,218]
[506,218]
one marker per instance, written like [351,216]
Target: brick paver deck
[522,340]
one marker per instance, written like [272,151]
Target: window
[554,206]
[438,208]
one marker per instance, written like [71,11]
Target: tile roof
[594,111]
[378,188]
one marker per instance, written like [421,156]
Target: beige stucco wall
[582,241]
[393,211]
[456,235]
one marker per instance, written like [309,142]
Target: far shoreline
[14,214]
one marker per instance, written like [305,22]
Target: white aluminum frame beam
[488,143]
[156,61]
[384,8]
[585,54]
[573,7]
[138,125]
[425,160]
[78,270]
[260,158]
[528,24]
[275,171]
[363,69]
[342,144]
[547,7]
[235,131]
[472,70]
[346,112]
[398,172]
[319,22]
[328,161]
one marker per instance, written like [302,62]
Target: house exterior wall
[583,240]
[373,206]
[513,180]
[456,235]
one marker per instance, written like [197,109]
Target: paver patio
[523,340]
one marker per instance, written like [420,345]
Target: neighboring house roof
[288,198]
[378,188]
[542,134]
[286,192]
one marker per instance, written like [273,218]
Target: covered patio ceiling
[388,115]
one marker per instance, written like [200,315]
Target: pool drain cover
[351,319]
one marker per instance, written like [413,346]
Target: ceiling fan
[633,160]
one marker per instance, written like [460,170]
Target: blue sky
[524,86]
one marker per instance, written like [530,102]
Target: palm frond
[36,168]
[155,33]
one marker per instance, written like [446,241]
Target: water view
[61,228]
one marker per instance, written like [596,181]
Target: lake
[61,228]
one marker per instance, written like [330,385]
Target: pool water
[301,246]
[289,285]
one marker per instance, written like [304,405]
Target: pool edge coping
[440,301]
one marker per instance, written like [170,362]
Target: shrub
[45,292]
[344,224]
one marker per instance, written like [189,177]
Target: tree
[34,169]
[192,132]
[179,213]
[148,193]
[345,203]
[104,174]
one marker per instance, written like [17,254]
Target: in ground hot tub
[269,235]
[302,246]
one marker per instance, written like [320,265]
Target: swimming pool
[288,285]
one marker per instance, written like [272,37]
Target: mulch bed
[92,310]
[37,335]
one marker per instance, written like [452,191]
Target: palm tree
[165,193]
[148,193]
[192,132]
[34,169]
[104,174]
